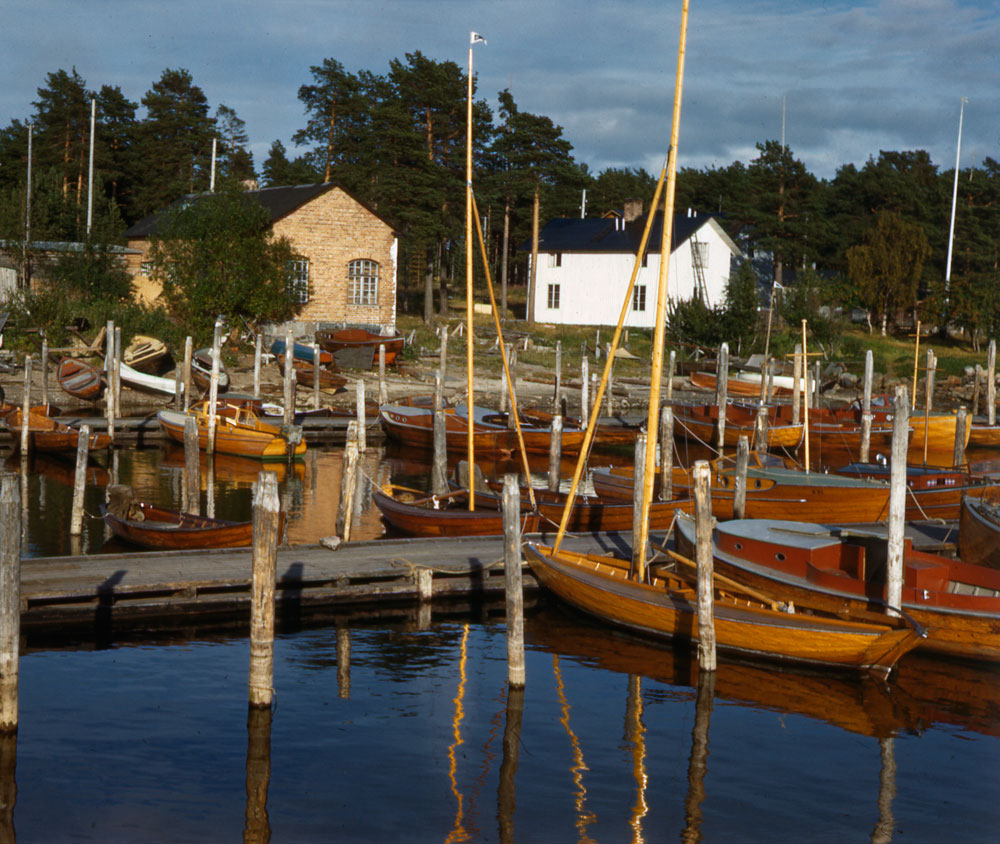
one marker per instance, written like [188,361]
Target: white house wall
[592,285]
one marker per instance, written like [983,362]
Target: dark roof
[609,234]
[279,202]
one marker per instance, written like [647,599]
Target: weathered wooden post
[266,517]
[637,484]
[558,384]
[512,575]
[666,452]
[593,391]
[26,409]
[555,452]
[897,499]
[975,390]
[866,409]
[961,420]
[670,374]
[79,481]
[928,396]
[186,374]
[584,391]
[608,393]
[721,394]
[359,412]
[704,524]
[991,383]
[439,469]
[345,508]
[118,371]
[45,371]
[740,480]
[315,375]
[213,386]
[257,352]
[10,598]
[192,468]
[289,382]
[817,371]
[796,383]
[383,390]
[761,428]
[443,353]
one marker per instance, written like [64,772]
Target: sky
[845,79]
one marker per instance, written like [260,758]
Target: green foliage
[742,304]
[813,301]
[692,321]
[217,255]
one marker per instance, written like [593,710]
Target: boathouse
[584,266]
[346,266]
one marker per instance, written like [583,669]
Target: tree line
[873,237]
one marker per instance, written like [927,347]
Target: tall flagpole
[473,38]
[954,201]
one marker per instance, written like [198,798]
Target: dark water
[413,736]
[416,739]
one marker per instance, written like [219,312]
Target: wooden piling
[638,564]
[706,567]
[961,417]
[258,348]
[866,409]
[897,499]
[188,379]
[558,385]
[289,382]
[740,481]
[975,390]
[512,574]
[118,370]
[10,598]
[345,508]
[796,383]
[266,516]
[79,481]
[609,391]
[761,428]
[25,409]
[584,391]
[721,394]
[44,366]
[359,412]
[671,365]
[555,452]
[439,468]
[666,452]
[213,387]
[191,496]
[928,396]
[991,383]
[383,390]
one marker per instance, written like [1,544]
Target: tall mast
[666,243]
[473,38]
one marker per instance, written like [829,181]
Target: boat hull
[79,379]
[979,530]
[168,530]
[262,441]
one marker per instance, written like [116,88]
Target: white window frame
[362,282]
[297,272]
[639,297]
[555,259]
[553,295]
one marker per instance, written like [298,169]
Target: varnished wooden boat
[201,371]
[337,339]
[773,491]
[79,378]
[831,432]
[844,571]
[700,423]
[238,431]
[936,430]
[982,434]
[667,607]
[46,434]
[144,353]
[330,377]
[159,529]
[979,529]
[743,383]
[301,351]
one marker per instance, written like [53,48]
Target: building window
[146,269]
[555,259]
[700,253]
[297,272]
[553,297]
[639,297]
[362,282]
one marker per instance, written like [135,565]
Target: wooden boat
[144,524]
[338,339]
[744,383]
[144,353]
[700,422]
[144,382]
[844,571]
[239,430]
[666,606]
[201,371]
[773,491]
[979,529]
[300,351]
[936,430]
[830,432]
[982,434]
[46,434]
[79,378]
[329,378]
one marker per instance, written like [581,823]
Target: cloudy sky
[855,76]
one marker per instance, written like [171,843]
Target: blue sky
[856,77]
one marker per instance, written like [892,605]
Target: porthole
[780,557]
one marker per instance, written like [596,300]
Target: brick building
[345,273]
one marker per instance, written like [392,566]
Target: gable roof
[611,234]
[278,201]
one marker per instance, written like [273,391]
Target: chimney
[633,209]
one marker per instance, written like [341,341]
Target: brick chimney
[633,209]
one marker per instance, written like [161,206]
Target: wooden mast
[652,421]
[473,38]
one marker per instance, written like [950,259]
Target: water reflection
[698,760]
[257,826]
[584,817]
[8,785]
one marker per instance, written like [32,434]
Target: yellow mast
[652,420]
[473,38]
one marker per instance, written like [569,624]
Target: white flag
[476,38]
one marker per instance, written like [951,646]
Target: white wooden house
[584,267]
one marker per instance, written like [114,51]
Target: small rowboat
[79,379]
[239,430]
[979,529]
[300,351]
[329,377]
[145,382]
[144,524]
[144,353]
[201,371]
[744,383]
[345,339]
[46,434]
[745,624]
